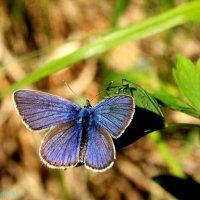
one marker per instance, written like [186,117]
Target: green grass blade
[171,161]
[119,8]
[174,17]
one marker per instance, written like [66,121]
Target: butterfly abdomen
[84,119]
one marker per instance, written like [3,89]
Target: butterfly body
[76,135]
[84,120]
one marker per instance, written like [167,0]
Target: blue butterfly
[75,135]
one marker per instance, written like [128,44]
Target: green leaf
[174,17]
[142,98]
[187,77]
[174,103]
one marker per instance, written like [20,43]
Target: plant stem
[182,125]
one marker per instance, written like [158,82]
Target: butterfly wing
[40,110]
[114,114]
[60,147]
[100,153]
[109,117]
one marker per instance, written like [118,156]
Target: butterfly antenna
[81,100]
[66,84]
[111,82]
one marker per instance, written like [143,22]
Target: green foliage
[187,77]
[172,18]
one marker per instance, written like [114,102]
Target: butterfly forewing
[114,114]
[40,110]
[60,147]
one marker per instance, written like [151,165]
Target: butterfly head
[87,104]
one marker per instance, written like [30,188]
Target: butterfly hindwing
[40,110]
[60,147]
[114,114]
[100,153]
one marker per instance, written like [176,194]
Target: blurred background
[33,32]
